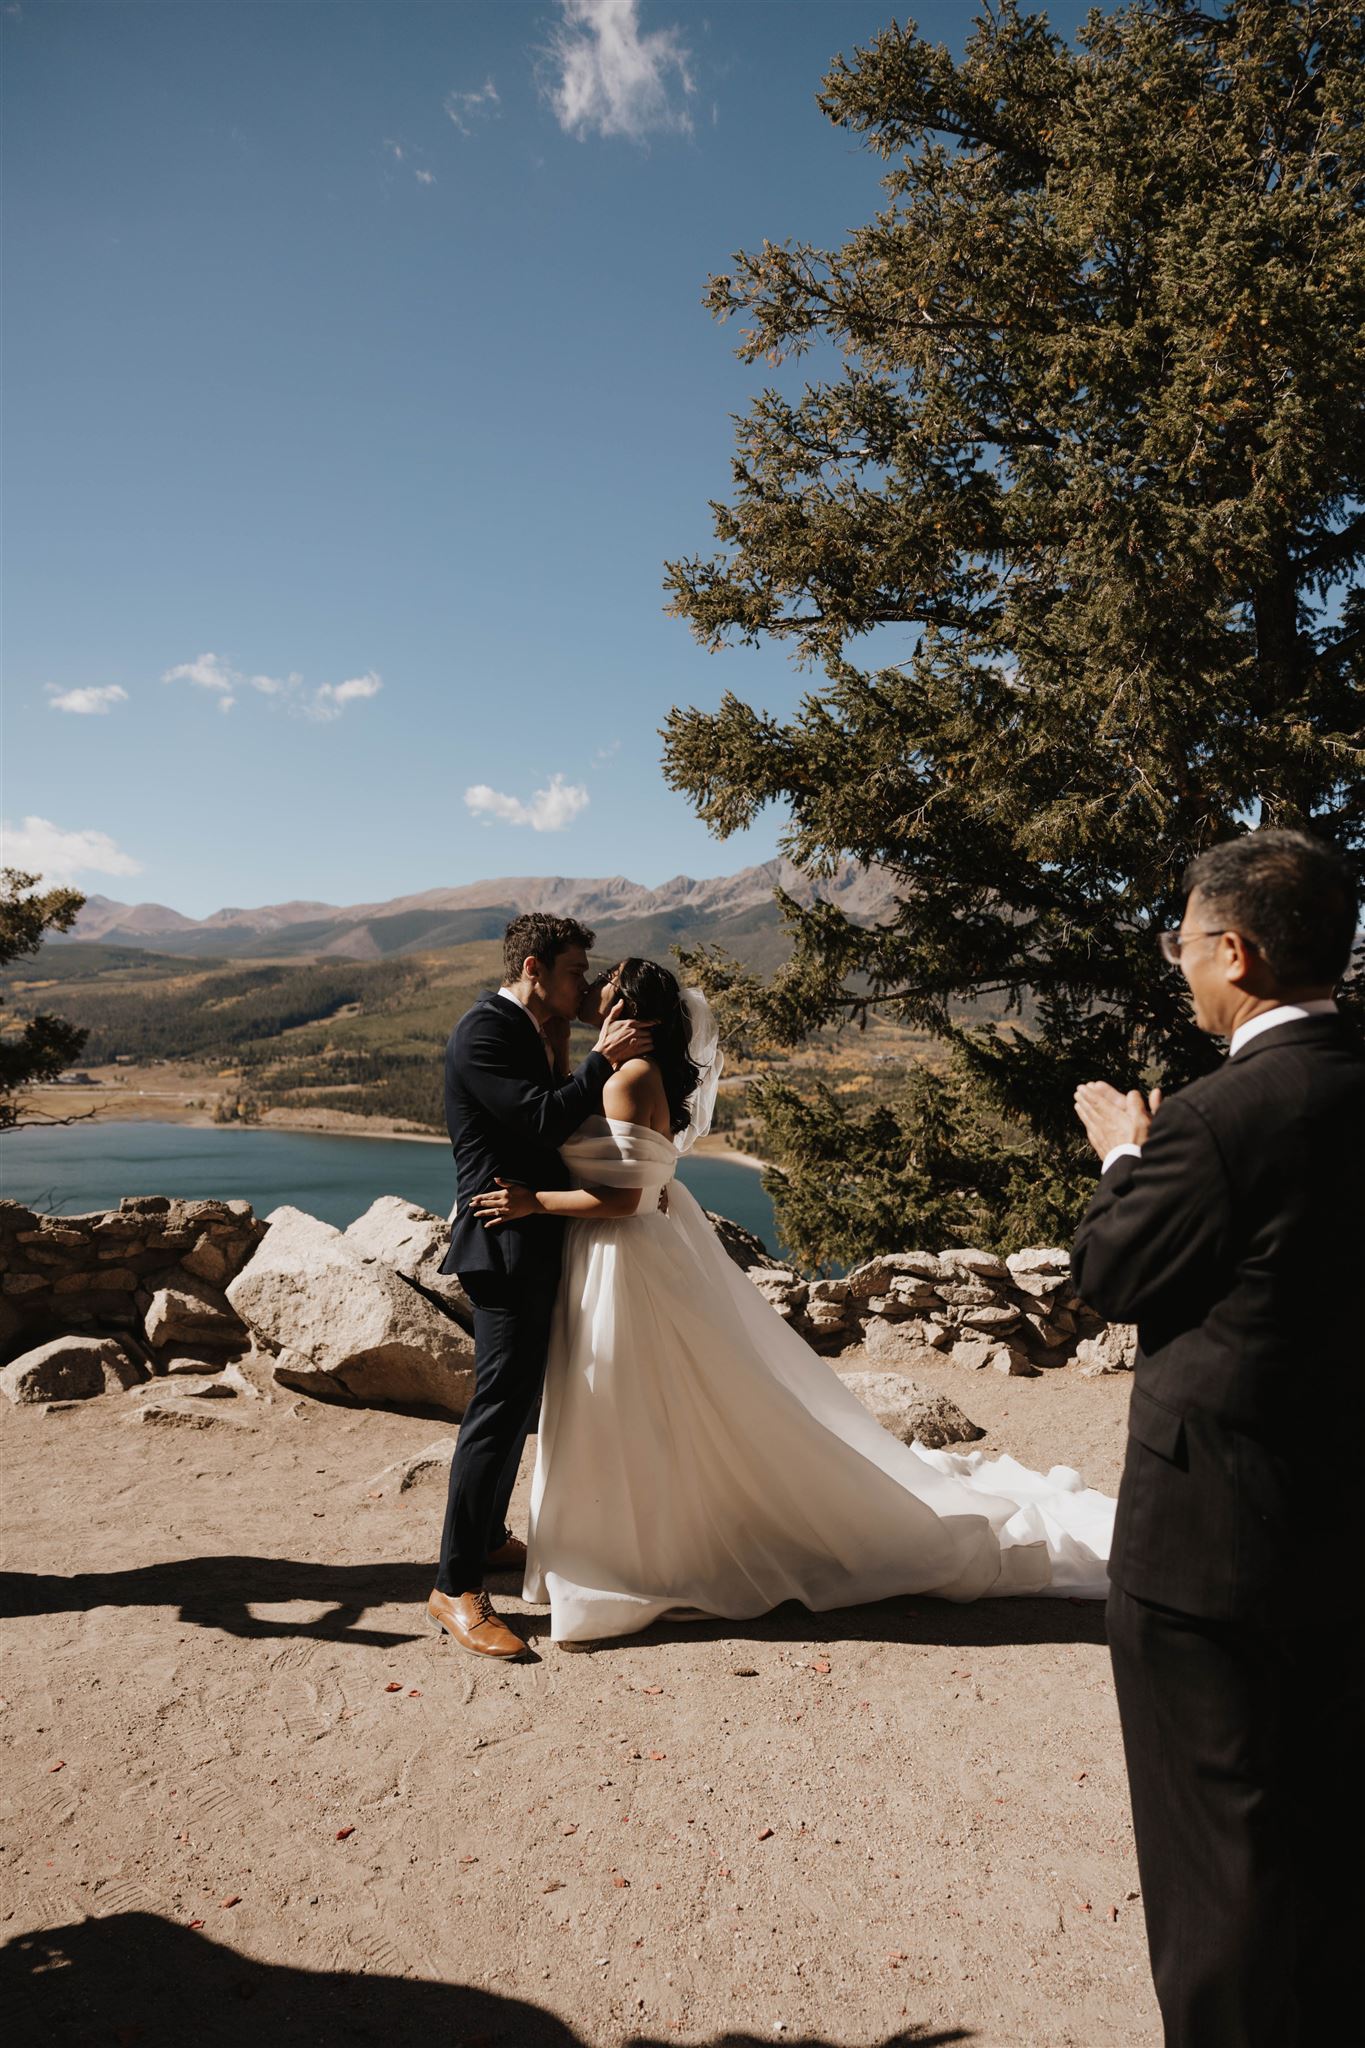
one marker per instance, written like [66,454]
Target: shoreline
[174,1108]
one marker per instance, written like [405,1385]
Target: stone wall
[153,1271]
[191,1292]
[1018,1315]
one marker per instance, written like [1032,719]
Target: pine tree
[1073,535]
[44,1045]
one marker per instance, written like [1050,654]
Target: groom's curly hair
[535,934]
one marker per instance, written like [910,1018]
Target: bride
[694,1454]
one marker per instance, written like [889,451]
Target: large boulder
[70,1369]
[909,1412]
[414,1242]
[348,1328]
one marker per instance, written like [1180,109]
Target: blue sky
[357,387]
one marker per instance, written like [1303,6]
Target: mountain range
[641,919]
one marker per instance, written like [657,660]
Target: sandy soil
[251,1798]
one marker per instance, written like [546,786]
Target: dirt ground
[249,1797]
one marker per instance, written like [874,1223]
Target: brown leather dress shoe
[508,1557]
[470,1619]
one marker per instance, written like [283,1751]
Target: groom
[1230,1226]
[510,1103]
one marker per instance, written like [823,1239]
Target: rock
[909,1412]
[209,1259]
[826,1315]
[413,1241]
[178,1367]
[967,1293]
[966,1259]
[996,1320]
[976,1353]
[189,1311]
[70,1369]
[427,1468]
[1039,1263]
[781,1289]
[1113,1350]
[904,1343]
[24,1283]
[1051,1332]
[876,1275]
[744,1248]
[348,1329]
[206,1386]
[1013,1362]
[144,1205]
[828,1290]
[171,1415]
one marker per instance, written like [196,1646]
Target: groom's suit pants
[1243,1748]
[511,1335]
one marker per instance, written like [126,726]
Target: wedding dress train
[694,1453]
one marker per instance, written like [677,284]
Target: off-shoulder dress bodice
[608,1152]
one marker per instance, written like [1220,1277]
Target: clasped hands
[1112,1119]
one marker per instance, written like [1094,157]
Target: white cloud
[549,810]
[463,108]
[96,701]
[39,847]
[425,177]
[608,752]
[612,80]
[206,672]
[210,672]
[331,699]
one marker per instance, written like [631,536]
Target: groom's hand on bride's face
[624,1038]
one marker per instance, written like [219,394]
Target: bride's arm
[630,1095]
[585,1205]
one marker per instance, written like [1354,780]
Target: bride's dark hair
[645,989]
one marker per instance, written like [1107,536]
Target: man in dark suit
[510,1104]
[1229,1225]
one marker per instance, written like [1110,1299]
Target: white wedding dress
[695,1454]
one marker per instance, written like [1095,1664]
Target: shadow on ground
[219,1592]
[142,1982]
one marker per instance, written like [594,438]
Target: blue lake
[90,1166]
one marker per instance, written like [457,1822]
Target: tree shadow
[141,1981]
[219,1592]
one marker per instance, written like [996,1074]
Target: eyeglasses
[1171,943]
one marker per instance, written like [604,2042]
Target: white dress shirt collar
[510,996]
[1285,1013]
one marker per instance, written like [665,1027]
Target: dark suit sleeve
[497,1079]
[1156,1225]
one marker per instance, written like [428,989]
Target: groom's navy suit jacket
[507,1116]
[1236,1243]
